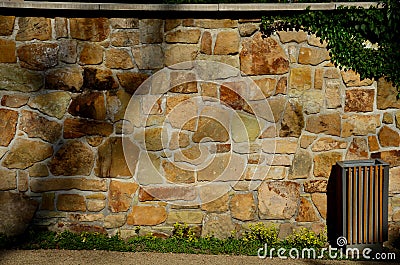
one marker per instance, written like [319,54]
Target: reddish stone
[147,215]
[306,212]
[6,25]
[7,48]
[14,101]
[91,29]
[389,137]
[121,195]
[373,143]
[206,43]
[89,105]
[324,123]
[359,100]
[358,149]
[75,128]
[99,79]
[230,97]
[36,125]
[38,56]
[8,124]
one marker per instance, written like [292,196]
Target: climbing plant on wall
[364,40]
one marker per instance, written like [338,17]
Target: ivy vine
[364,40]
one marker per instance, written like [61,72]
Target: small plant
[305,238]
[183,231]
[261,233]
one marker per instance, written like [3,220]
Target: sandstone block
[54,184]
[313,56]
[6,25]
[183,36]
[8,179]
[146,215]
[392,157]
[386,95]
[118,59]
[53,104]
[95,78]
[301,166]
[278,200]
[333,94]
[359,100]
[91,53]
[185,216]
[217,225]
[389,137]
[245,128]
[71,203]
[95,205]
[90,29]
[262,56]
[38,126]
[8,124]
[114,221]
[323,163]
[292,36]
[219,205]
[352,79]
[306,211]
[172,193]
[73,158]
[206,43]
[151,30]
[124,23]
[183,82]
[307,140]
[312,101]
[175,174]
[88,105]
[68,52]
[77,217]
[7,48]
[31,28]
[125,38]
[373,143]
[267,87]
[68,79]
[148,57]
[76,128]
[178,53]
[131,81]
[327,144]
[324,123]
[227,42]
[300,79]
[316,185]
[61,27]
[247,29]
[212,23]
[14,101]
[38,170]
[320,201]
[394,180]
[292,121]
[358,149]
[24,153]
[14,78]
[357,124]
[242,207]
[38,56]
[121,195]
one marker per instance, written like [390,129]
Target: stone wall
[206,144]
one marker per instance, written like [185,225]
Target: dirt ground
[76,257]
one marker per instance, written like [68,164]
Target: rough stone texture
[14,101]
[37,126]
[89,105]
[178,53]
[183,82]
[7,25]
[394,181]
[183,36]
[53,104]
[359,100]
[14,78]
[38,56]
[147,215]
[33,28]
[324,123]
[323,163]
[388,117]
[262,56]
[206,43]
[7,48]
[316,185]
[68,52]
[357,124]
[175,174]
[131,81]
[12,222]
[90,29]
[71,203]
[358,149]
[292,121]
[8,180]
[98,79]
[313,56]
[150,57]
[61,27]
[24,153]
[172,193]
[373,143]
[73,158]
[68,79]
[118,59]
[392,157]
[300,79]
[217,225]
[312,101]
[55,184]
[151,30]
[227,42]
[124,23]
[185,216]
[278,200]
[218,205]
[386,95]
[389,137]
[8,124]
[352,79]
[320,201]
[333,94]
[125,38]
[75,128]
[114,221]
[301,167]
[306,211]
[292,36]
[242,207]
[327,144]
[245,128]
[121,195]
[91,53]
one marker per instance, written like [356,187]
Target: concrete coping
[245,7]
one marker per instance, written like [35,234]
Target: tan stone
[95,205]
[293,119]
[327,144]
[281,160]
[7,48]
[77,217]
[24,153]
[281,86]
[66,78]
[313,56]
[61,27]
[151,30]
[183,82]
[75,128]
[313,40]
[357,124]
[23,181]
[306,211]
[48,201]
[262,56]
[307,140]
[91,53]
[213,23]
[114,221]
[175,174]
[278,200]
[227,42]
[153,139]
[292,36]
[320,201]
[324,123]
[8,125]
[267,86]
[68,52]
[392,157]
[96,78]
[71,203]
[172,193]
[373,143]
[352,79]
[112,160]
[333,94]
[300,79]
[218,205]
[386,95]
[178,53]
[6,25]
[359,100]
[389,137]
[119,59]
[73,158]
[319,78]
[125,38]
[90,29]
[182,112]
[183,36]
[120,195]
[131,81]
[171,24]
[185,216]
[394,180]
[323,163]
[38,170]
[388,117]
[245,128]
[312,101]
[30,28]
[147,215]
[89,105]
[124,23]
[358,149]
[206,43]
[179,140]
[14,101]
[37,126]
[38,56]
[233,94]
[242,207]
[149,57]
[316,185]
[217,225]
[332,73]
[53,104]
[8,179]
[247,29]
[301,166]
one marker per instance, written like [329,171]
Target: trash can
[358,204]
